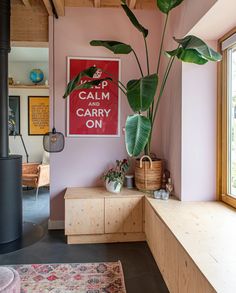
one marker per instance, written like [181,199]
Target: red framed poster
[94,112]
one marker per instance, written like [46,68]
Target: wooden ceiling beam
[60,7]
[26,3]
[132,4]
[48,6]
[97,3]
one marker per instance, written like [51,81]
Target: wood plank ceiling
[29,21]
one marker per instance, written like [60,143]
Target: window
[227,120]
[232,120]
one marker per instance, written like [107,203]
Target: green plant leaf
[194,50]
[167,5]
[194,43]
[133,19]
[190,56]
[137,132]
[89,84]
[172,53]
[141,92]
[71,86]
[115,47]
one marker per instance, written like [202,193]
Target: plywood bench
[194,244]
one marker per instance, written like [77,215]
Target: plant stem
[124,92]
[136,57]
[167,72]
[162,43]
[158,67]
[147,55]
[149,113]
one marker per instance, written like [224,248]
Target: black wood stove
[10,166]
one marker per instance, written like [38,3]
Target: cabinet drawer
[84,216]
[123,215]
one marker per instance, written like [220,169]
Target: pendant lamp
[54,141]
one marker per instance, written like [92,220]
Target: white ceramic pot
[113,186]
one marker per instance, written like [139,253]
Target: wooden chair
[35,175]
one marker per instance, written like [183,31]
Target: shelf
[29,86]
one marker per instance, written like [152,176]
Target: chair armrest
[30,180]
[29,176]
[44,175]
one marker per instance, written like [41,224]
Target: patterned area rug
[65,278]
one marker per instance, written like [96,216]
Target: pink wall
[199,101]
[170,120]
[84,159]
[187,15]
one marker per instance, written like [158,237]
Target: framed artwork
[38,115]
[14,115]
[94,112]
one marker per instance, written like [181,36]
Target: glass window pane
[232,122]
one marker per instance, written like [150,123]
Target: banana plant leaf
[137,132]
[115,47]
[167,5]
[133,19]
[190,56]
[141,92]
[194,50]
[194,43]
[89,72]
[89,84]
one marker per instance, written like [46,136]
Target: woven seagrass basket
[148,174]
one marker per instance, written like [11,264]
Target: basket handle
[141,161]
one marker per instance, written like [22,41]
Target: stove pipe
[4,50]
[10,166]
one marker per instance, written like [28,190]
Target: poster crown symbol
[97,74]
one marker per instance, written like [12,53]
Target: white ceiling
[217,21]
[21,54]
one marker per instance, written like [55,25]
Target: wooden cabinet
[123,215]
[84,216]
[92,215]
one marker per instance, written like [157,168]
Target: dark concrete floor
[140,270]
[36,211]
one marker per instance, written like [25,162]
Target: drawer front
[123,215]
[84,216]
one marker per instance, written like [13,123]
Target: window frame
[222,126]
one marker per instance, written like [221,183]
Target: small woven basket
[148,174]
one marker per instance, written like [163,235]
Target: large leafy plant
[144,94]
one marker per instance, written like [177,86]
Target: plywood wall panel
[110,3]
[79,3]
[29,24]
[141,4]
[147,4]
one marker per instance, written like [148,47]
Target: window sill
[229,200]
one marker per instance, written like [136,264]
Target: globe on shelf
[36,75]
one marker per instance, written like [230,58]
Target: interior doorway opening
[28,122]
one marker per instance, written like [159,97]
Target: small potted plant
[114,177]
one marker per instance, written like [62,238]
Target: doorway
[28,122]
